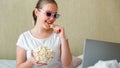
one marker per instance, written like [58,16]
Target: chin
[47,28]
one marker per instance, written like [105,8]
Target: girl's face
[47,15]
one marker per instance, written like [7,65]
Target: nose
[52,18]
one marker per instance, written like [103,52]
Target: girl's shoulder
[25,34]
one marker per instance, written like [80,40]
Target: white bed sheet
[7,63]
[4,63]
[11,64]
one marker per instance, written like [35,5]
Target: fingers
[35,62]
[33,58]
[56,28]
[40,64]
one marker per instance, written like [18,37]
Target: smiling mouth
[49,24]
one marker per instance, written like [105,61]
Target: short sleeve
[20,41]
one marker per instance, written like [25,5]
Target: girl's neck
[41,32]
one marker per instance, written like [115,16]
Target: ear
[36,12]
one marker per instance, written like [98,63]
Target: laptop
[95,50]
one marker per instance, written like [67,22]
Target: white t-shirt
[28,42]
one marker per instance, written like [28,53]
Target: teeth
[51,26]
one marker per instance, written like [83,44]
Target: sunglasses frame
[52,14]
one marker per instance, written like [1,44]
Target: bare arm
[66,57]
[21,61]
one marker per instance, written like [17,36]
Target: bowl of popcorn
[43,54]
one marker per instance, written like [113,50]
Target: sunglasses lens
[56,15]
[48,14]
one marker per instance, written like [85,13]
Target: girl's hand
[35,62]
[59,30]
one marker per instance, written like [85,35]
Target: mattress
[4,63]
[7,63]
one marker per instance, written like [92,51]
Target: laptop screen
[95,50]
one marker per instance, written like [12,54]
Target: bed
[4,63]
[11,64]
[7,63]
